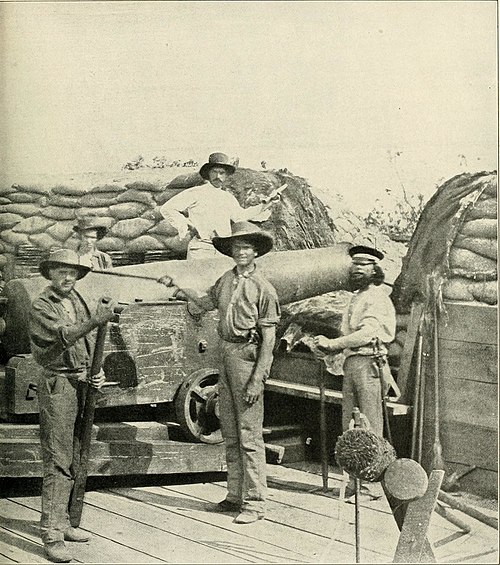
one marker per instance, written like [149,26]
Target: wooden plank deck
[174,523]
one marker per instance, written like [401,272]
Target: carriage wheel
[197,406]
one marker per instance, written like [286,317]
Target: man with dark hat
[370,316]
[90,230]
[206,211]
[249,312]
[368,326]
[60,324]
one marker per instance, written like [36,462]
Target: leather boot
[76,534]
[57,552]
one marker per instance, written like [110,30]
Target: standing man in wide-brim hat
[206,211]
[60,324]
[91,229]
[249,312]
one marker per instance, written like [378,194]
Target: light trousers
[241,426]
[59,398]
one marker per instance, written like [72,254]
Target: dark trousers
[59,398]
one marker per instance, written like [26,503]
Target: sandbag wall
[37,219]
[473,256]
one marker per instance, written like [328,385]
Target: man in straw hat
[90,229]
[206,211]
[249,312]
[60,324]
[369,322]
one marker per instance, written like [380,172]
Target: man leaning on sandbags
[206,211]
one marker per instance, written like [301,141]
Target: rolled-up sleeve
[269,309]
[48,336]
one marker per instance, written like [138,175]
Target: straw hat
[261,240]
[65,258]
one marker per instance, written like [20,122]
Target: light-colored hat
[217,160]
[364,252]
[92,223]
[261,240]
[65,258]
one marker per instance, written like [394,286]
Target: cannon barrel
[296,275]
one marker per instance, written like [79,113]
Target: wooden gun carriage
[159,351]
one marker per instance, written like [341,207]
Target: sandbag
[14,238]
[486,227]
[64,201]
[102,212]
[486,292]
[24,210]
[147,186]
[31,188]
[457,289]
[4,259]
[98,199]
[8,219]
[23,198]
[69,190]
[131,195]
[5,200]
[130,229]
[6,191]
[111,244]
[480,245]
[175,244]
[186,180]
[163,228]
[487,208]
[127,210]
[61,230]
[35,224]
[44,241]
[469,261]
[58,213]
[142,244]
[108,189]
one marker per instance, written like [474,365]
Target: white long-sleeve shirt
[209,209]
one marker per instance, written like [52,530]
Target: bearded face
[361,275]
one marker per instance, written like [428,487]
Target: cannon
[161,350]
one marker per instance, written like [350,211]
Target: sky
[357,97]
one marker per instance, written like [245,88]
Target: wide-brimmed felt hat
[217,160]
[65,258]
[365,252]
[92,223]
[261,240]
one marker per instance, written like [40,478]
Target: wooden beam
[332,396]
[413,545]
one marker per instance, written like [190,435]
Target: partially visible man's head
[90,229]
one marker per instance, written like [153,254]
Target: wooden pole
[85,433]
[323,427]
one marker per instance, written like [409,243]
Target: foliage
[397,219]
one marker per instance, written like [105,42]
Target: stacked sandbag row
[473,256]
[37,218]
[20,220]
